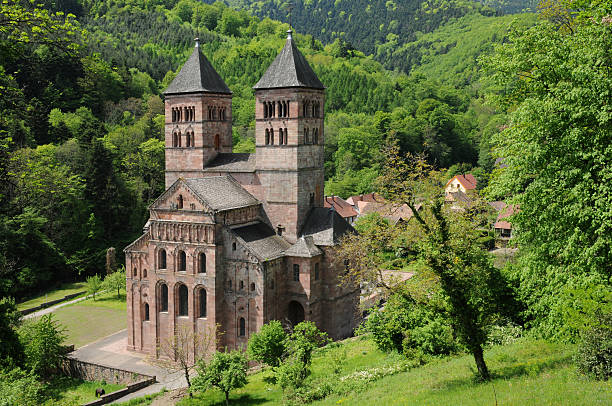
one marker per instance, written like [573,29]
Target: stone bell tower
[198,118]
[289,101]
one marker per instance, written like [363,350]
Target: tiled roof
[393,213]
[503,214]
[368,197]
[228,162]
[197,75]
[289,69]
[340,205]
[498,205]
[304,247]
[221,192]
[467,180]
[326,226]
[262,241]
[457,196]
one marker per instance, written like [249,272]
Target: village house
[237,240]
[342,207]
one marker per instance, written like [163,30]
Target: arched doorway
[296,312]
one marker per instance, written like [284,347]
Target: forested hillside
[389,30]
[82,120]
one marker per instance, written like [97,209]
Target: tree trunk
[188,382]
[226,398]
[483,371]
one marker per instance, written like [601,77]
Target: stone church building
[237,240]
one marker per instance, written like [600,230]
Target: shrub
[18,387]
[269,345]
[594,355]
[42,343]
[410,328]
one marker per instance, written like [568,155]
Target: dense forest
[390,30]
[82,119]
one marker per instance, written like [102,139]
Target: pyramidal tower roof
[197,75]
[289,69]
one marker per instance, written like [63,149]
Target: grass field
[90,320]
[69,391]
[64,290]
[525,373]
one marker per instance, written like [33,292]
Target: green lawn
[526,373]
[64,290]
[90,320]
[63,390]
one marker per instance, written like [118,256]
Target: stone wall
[95,372]
[118,394]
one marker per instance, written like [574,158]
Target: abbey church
[237,240]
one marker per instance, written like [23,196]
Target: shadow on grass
[59,385]
[530,368]
[108,298]
[244,399]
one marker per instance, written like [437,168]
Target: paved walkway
[53,308]
[112,351]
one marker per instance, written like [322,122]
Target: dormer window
[179,203]
[279,230]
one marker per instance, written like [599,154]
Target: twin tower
[286,173]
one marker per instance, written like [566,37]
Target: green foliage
[268,345]
[594,355]
[376,28]
[556,154]
[304,339]
[18,387]
[94,285]
[408,327]
[20,236]
[42,344]
[114,281]
[226,371]
[11,351]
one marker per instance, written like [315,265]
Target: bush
[269,345]
[594,355]
[42,343]
[18,387]
[410,328]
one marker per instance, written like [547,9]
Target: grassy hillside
[527,372]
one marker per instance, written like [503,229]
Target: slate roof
[229,162]
[326,226]
[304,247]
[197,75]
[221,192]
[340,205]
[262,241]
[289,69]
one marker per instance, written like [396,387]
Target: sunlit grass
[68,391]
[525,373]
[90,320]
[64,290]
